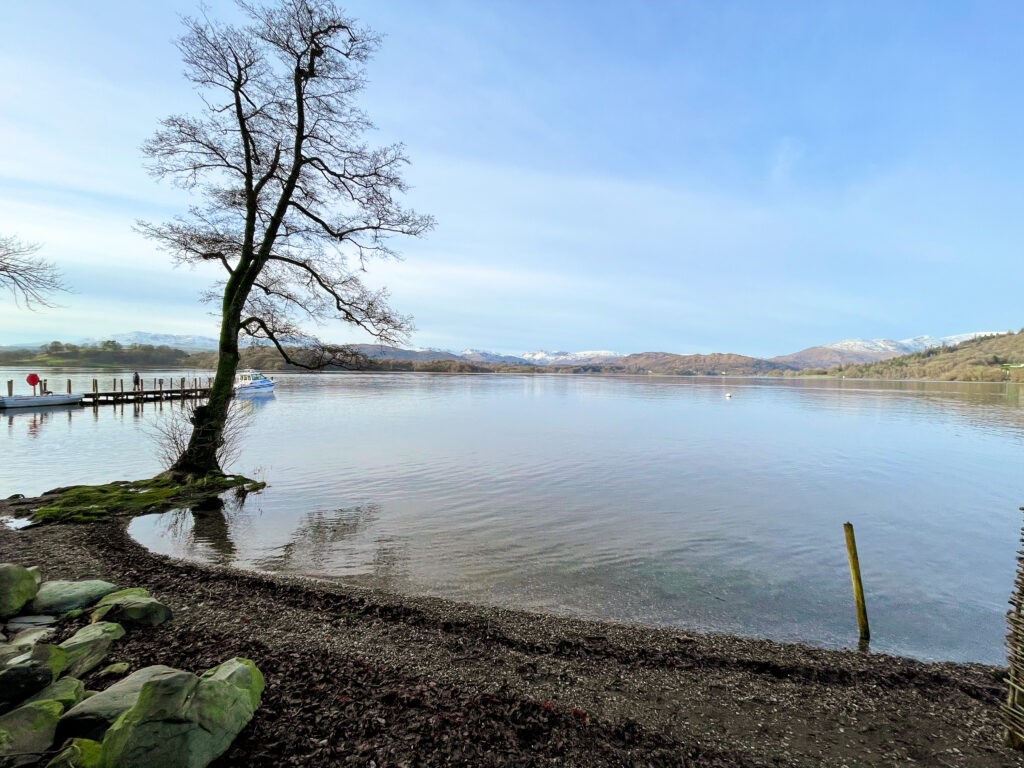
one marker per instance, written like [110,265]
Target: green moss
[113,597]
[88,503]
[47,711]
[78,753]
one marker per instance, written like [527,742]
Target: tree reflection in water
[336,542]
[207,529]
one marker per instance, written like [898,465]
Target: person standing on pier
[135,381]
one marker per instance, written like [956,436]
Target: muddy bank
[355,676]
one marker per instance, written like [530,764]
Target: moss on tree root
[89,503]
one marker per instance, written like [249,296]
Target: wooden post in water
[10,387]
[69,388]
[858,586]
[122,385]
[95,387]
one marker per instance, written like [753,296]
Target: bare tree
[295,203]
[30,278]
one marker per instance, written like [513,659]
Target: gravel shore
[359,677]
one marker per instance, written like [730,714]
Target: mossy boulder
[184,720]
[67,690]
[91,717]
[64,596]
[26,733]
[78,753]
[18,585]
[90,645]
[113,597]
[28,674]
[133,610]
[241,673]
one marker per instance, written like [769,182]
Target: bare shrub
[171,433]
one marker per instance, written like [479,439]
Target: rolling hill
[977,359]
[690,365]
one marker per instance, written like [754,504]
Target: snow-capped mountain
[853,351]
[483,356]
[891,348]
[569,358]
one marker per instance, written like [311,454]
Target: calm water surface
[647,499]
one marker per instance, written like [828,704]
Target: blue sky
[689,177]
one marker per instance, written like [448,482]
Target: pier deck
[149,390]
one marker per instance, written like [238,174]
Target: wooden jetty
[148,391]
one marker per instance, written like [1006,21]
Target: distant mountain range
[856,351]
[186,343]
[847,352]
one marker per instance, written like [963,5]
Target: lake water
[644,499]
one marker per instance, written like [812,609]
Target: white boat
[252,381]
[36,401]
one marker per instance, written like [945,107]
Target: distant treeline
[269,359]
[975,360]
[105,354]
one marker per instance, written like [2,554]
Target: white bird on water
[728,394]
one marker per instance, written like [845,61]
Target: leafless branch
[29,278]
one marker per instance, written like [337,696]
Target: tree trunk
[200,457]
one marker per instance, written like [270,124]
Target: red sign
[32,379]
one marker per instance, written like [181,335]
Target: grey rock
[29,637]
[90,645]
[20,623]
[27,732]
[114,670]
[91,717]
[17,586]
[184,720]
[8,652]
[64,596]
[22,643]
